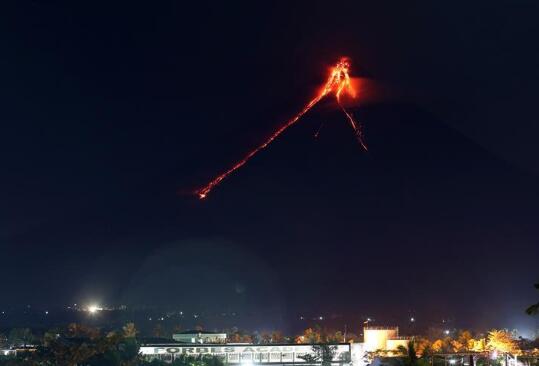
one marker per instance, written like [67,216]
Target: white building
[281,354]
[199,343]
[383,339]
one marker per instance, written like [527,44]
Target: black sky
[111,111]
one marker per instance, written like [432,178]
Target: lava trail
[337,83]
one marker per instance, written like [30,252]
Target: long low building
[246,353]
[193,343]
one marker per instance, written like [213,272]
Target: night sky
[112,113]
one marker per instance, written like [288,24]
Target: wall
[376,339]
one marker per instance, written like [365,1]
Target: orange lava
[337,83]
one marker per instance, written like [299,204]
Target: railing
[379,327]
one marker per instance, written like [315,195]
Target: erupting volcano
[337,83]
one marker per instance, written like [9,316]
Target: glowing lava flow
[337,83]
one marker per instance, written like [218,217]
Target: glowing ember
[338,83]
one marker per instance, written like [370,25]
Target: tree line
[79,344]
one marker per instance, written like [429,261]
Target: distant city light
[320,318]
[446,331]
[412,319]
[46,312]
[92,309]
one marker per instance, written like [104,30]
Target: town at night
[249,183]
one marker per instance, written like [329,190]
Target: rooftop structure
[200,337]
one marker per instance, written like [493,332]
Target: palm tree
[129,330]
[409,353]
[534,309]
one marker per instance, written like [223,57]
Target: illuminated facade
[383,338]
[246,354]
[195,344]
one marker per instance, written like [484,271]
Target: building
[199,336]
[383,338]
[197,343]
[249,354]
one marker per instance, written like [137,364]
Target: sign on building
[281,354]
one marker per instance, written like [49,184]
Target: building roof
[199,332]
